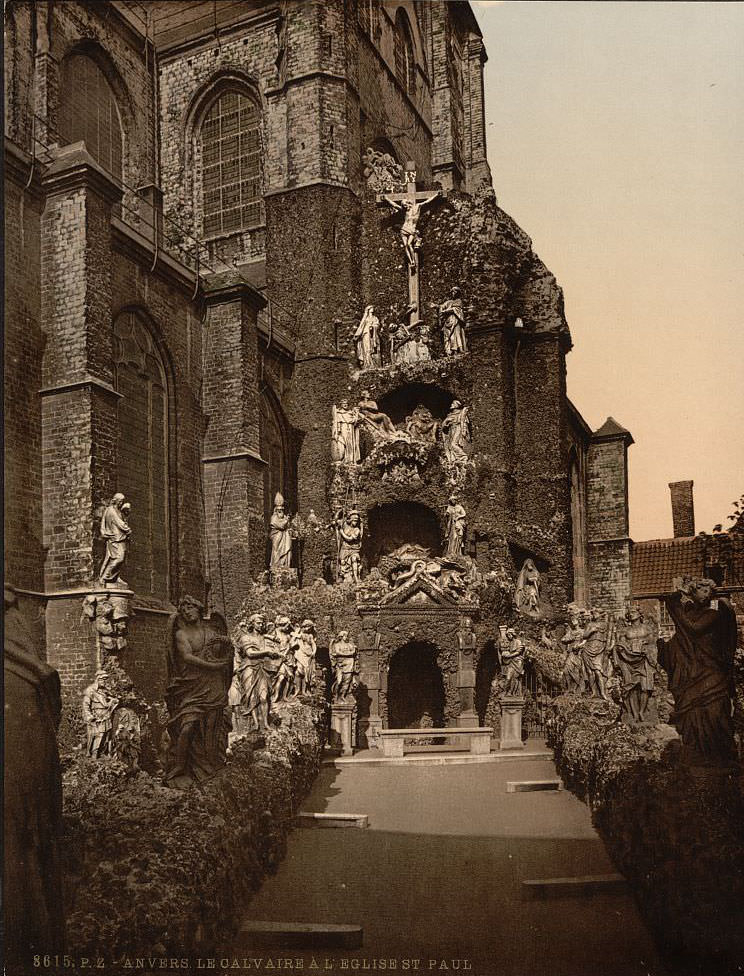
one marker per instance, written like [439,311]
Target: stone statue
[572,667]
[410,236]
[284,681]
[379,425]
[381,171]
[98,709]
[404,343]
[280,535]
[343,653]
[250,693]
[527,592]
[635,658]
[595,647]
[423,340]
[511,650]
[115,531]
[455,515]
[421,426]
[456,434]
[33,832]
[200,664]
[699,660]
[345,433]
[304,648]
[367,339]
[452,318]
[349,535]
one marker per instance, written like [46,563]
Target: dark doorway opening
[415,688]
[400,523]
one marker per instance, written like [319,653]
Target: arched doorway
[415,696]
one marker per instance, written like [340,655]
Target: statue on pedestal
[699,660]
[345,433]
[452,317]
[349,535]
[456,516]
[115,531]
[280,535]
[595,653]
[527,592]
[304,649]
[635,657]
[343,653]
[367,339]
[256,667]
[511,651]
[200,664]
[456,433]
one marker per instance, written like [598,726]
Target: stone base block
[512,707]
[343,723]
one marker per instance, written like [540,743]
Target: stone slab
[532,785]
[573,887]
[371,760]
[332,820]
[256,934]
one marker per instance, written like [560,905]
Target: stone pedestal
[368,729]
[343,727]
[468,720]
[512,707]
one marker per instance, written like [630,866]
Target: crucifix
[411,203]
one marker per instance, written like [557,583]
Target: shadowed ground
[437,875]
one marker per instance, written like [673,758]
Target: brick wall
[607,520]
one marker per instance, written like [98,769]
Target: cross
[411,203]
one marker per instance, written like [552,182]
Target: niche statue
[115,531]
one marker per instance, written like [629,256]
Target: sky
[616,141]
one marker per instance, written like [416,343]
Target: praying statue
[455,540]
[115,531]
[367,339]
[349,534]
[699,660]
[452,318]
[457,434]
[345,433]
[200,665]
[343,654]
[527,593]
[280,536]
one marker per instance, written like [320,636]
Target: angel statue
[345,423]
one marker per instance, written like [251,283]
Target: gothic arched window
[405,65]
[230,150]
[142,453]
[273,451]
[88,112]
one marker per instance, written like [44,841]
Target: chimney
[683,509]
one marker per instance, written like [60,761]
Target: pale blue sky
[616,140]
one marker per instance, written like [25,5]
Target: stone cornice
[17,166]
[231,287]
[86,381]
[240,454]
[74,169]
[129,242]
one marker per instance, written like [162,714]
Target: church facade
[203,201]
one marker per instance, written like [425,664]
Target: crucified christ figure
[408,230]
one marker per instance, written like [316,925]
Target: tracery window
[142,453]
[230,144]
[405,65]
[88,112]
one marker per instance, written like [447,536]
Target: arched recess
[415,695]
[94,107]
[578,528]
[399,523]
[401,402]
[143,450]
[225,155]
[405,60]
[383,145]
[278,472]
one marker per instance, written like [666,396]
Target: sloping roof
[655,563]
[611,428]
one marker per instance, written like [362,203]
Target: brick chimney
[683,509]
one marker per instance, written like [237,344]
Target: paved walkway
[437,876]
